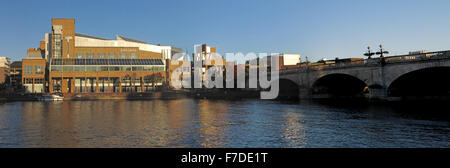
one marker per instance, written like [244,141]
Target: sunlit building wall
[79,63]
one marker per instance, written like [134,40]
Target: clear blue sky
[314,28]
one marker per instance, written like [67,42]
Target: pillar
[120,84]
[96,85]
[305,93]
[50,85]
[72,88]
[378,94]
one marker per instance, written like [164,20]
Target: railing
[370,62]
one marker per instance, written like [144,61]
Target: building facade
[206,57]
[69,62]
[15,74]
[4,70]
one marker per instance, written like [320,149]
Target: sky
[314,28]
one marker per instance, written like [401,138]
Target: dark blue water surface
[219,123]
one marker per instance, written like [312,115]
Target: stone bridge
[424,74]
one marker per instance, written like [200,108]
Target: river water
[219,123]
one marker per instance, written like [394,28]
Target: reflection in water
[218,123]
[213,122]
[294,133]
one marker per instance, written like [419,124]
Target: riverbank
[221,94]
[162,94]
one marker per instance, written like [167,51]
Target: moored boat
[51,97]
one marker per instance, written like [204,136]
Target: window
[78,68]
[39,69]
[137,68]
[80,55]
[57,49]
[56,68]
[28,69]
[28,81]
[112,55]
[89,55]
[91,68]
[114,68]
[125,68]
[38,81]
[101,55]
[133,56]
[67,68]
[122,56]
[57,83]
[103,68]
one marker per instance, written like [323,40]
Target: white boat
[52,97]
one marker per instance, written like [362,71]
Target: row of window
[28,69]
[30,81]
[112,84]
[130,62]
[105,68]
[104,56]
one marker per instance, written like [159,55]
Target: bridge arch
[428,81]
[288,89]
[338,85]
[395,71]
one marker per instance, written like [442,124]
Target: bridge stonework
[376,76]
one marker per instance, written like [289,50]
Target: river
[219,123]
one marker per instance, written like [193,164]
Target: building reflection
[180,117]
[213,122]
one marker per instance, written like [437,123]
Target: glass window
[28,69]
[90,55]
[101,55]
[159,68]
[91,68]
[125,68]
[80,55]
[56,68]
[68,68]
[39,69]
[122,56]
[103,68]
[137,68]
[112,55]
[78,68]
[133,56]
[39,81]
[28,81]
[114,68]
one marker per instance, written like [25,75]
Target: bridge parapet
[370,62]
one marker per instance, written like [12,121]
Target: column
[120,84]
[378,94]
[305,93]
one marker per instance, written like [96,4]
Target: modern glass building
[69,62]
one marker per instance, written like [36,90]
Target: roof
[88,36]
[117,38]
[129,39]
[107,62]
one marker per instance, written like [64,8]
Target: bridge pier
[305,93]
[378,94]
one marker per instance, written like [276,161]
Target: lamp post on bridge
[369,53]
[381,52]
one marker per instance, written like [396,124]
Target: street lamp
[369,53]
[381,52]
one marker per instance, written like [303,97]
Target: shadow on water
[421,110]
